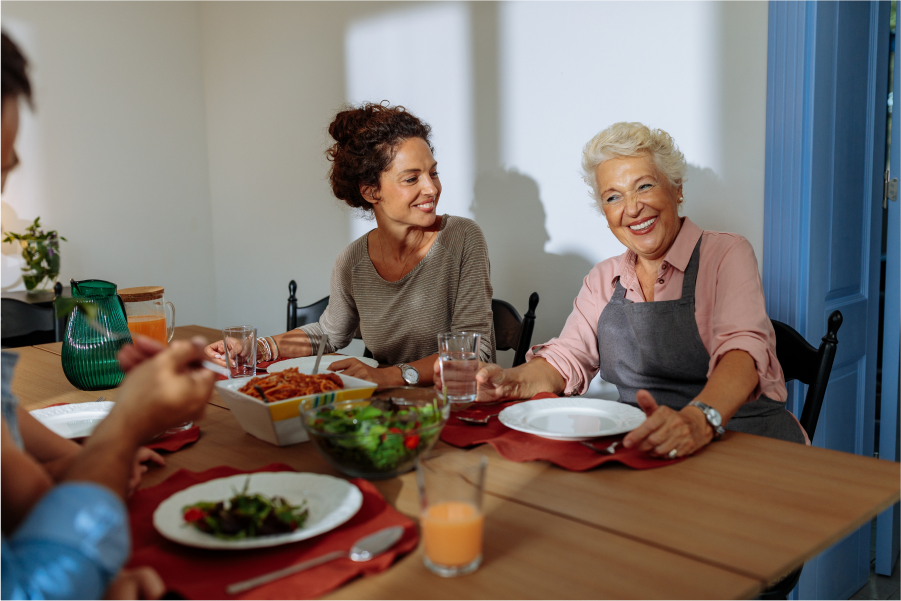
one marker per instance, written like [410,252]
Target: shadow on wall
[508,208]
[707,202]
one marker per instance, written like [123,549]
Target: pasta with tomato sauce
[289,384]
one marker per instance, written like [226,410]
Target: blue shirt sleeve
[71,545]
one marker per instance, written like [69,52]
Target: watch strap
[713,418]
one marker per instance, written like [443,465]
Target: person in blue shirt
[65,532]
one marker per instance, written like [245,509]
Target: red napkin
[173,442]
[520,447]
[169,442]
[204,573]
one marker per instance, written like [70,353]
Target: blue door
[887,524]
[826,92]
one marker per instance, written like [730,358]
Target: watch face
[411,376]
[713,416]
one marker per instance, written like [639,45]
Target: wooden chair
[301,316]
[512,331]
[812,366]
[24,324]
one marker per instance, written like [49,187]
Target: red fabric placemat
[175,441]
[520,447]
[204,573]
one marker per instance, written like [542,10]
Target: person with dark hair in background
[414,276]
[65,528]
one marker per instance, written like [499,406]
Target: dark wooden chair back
[812,366]
[512,331]
[301,316]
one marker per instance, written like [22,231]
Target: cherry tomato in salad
[193,514]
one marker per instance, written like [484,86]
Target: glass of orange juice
[451,518]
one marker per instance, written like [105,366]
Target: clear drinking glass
[458,357]
[451,519]
[240,350]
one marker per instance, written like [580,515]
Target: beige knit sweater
[449,290]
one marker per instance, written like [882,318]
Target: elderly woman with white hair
[677,322]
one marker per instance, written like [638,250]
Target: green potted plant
[41,253]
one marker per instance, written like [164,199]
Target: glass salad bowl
[379,437]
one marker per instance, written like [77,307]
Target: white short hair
[625,139]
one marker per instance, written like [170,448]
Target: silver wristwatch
[713,418]
[409,373]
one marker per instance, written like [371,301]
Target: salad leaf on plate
[246,516]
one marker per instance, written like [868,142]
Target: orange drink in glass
[452,533]
[451,519]
[148,313]
[151,326]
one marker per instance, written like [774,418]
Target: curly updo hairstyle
[366,140]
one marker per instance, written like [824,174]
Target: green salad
[246,516]
[377,438]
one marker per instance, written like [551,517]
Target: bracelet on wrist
[263,350]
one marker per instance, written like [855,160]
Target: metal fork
[611,449]
[477,420]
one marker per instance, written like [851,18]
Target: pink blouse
[729,309]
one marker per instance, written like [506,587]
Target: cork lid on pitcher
[141,293]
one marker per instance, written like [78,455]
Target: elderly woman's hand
[685,431]
[492,381]
[495,384]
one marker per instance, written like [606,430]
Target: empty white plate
[305,364]
[76,420]
[572,418]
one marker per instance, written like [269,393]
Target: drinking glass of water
[458,358]
[240,350]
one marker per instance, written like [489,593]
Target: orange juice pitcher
[148,313]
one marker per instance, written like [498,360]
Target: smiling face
[409,189]
[640,205]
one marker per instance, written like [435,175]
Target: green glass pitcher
[90,350]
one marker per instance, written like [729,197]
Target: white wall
[513,91]
[114,156]
[567,71]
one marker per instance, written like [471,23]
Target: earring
[681,199]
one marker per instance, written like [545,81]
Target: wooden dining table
[741,513]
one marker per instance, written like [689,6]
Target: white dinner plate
[572,418]
[331,502]
[74,421]
[305,364]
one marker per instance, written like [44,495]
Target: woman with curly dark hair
[414,276]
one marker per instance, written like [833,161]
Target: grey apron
[656,346]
